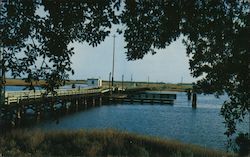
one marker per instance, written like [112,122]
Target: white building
[94,82]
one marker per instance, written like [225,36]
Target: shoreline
[152,85]
[99,142]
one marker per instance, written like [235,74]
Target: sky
[169,65]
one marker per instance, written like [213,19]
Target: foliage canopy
[216,35]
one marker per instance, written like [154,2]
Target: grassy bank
[126,84]
[108,143]
[20,82]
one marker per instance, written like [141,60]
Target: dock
[145,97]
[39,103]
[16,97]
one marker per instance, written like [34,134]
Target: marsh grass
[95,143]
[152,85]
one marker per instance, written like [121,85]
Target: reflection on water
[201,126]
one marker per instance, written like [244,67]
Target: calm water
[18,88]
[202,126]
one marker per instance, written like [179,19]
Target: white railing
[17,96]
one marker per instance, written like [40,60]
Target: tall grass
[108,143]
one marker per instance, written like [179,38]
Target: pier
[20,104]
[144,98]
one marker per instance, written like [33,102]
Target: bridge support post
[38,116]
[93,102]
[189,95]
[12,122]
[18,117]
[23,110]
[194,101]
[80,101]
[67,108]
[37,112]
[76,104]
[64,107]
[68,104]
[194,97]
[85,103]
[100,101]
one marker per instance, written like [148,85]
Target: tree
[36,45]
[216,35]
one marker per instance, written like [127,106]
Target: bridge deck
[146,97]
[13,97]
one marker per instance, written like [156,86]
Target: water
[203,126]
[18,88]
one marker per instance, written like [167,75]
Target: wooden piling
[85,103]
[194,100]
[67,108]
[18,117]
[189,94]
[14,112]
[76,105]
[38,116]
[93,104]
[100,101]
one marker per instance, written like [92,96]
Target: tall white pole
[148,80]
[113,65]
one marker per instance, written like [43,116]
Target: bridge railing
[17,96]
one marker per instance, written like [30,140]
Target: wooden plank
[17,96]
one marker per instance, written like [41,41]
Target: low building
[94,82]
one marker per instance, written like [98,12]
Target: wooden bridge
[20,104]
[40,103]
[145,97]
[16,97]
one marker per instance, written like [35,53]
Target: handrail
[17,96]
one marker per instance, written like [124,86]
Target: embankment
[96,143]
